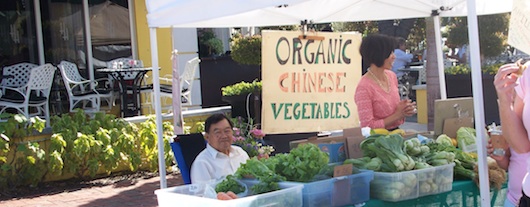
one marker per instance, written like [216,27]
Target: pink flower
[257,133]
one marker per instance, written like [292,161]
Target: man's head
[219,133]
[401,43]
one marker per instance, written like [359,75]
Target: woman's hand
[490,149]
[505,82]
[406,108]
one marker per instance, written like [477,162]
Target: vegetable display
[304,163]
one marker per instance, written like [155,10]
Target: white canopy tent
[239,13]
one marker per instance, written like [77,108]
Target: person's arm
[402,55]
[511,108]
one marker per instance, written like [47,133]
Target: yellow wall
[144,46]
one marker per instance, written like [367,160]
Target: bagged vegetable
[466,138]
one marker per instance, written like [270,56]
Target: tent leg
[158,110]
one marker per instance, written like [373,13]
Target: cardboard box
[445,109]
[335,146]
[452,125]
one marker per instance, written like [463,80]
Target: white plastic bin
[191,195]
[406,185]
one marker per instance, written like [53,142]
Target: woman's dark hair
[214,119]
[376,48]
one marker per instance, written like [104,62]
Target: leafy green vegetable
[257,169]
[229,184]
[465,136]
[444,139]
[302,163]
[389,149]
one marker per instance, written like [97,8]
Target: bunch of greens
[465,136]
[257,169]
[229,184]
[389,149]
[302,163]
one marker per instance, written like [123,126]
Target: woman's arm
[511,108]
[513,129]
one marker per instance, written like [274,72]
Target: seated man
[219,158]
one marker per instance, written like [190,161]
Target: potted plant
[243,95]
[209,44]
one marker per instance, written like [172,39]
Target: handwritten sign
[519,30]
[342,170]
[309,84]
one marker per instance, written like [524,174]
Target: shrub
[465,69]
[241,88]
[246,50]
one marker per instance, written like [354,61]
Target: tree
[493,32]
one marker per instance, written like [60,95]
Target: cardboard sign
[309,84]
[519,30]
[354,137]
[342,170]
[452,125]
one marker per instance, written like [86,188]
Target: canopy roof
[239,13]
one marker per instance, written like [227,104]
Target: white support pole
[38,23]
[88,40]
[158,110]
[478,103]
[134,38]
[439,56]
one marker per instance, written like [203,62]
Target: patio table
[130,105]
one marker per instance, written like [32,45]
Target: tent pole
[88,41]
[38,23]
[158,110]
[478,102]
[439,55]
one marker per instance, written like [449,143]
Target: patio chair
[185,148]
[16,75]
[34,94]
[186,83]
[79,90]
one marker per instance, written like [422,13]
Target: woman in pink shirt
[513,93]
[377,97]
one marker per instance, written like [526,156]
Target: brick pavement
[139,192]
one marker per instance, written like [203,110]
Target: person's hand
[409,108]
[490,149]
[505,82]
[400,110]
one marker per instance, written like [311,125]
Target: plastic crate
[339,191]
[412,184]
[191,195]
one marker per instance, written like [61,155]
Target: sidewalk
[124,193]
